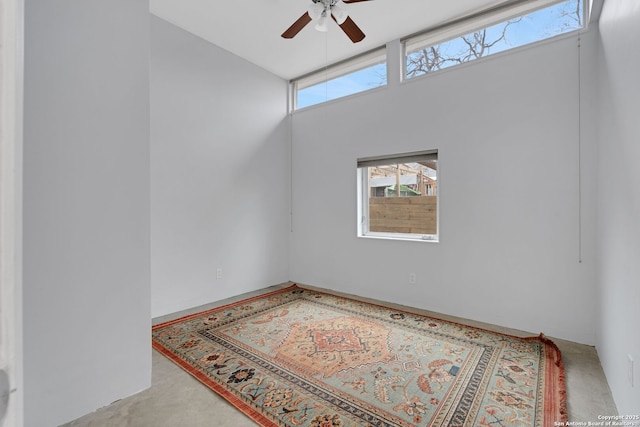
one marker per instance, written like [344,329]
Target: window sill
[399,238]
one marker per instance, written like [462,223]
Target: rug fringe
[562,386]
[564,412]
[550,343]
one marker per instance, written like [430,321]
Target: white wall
[619,199]
[507,134]
[86,206]
[11,17]
[219,172]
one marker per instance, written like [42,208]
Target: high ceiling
[251,28]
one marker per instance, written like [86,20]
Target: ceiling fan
[321,11]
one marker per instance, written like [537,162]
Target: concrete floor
[177,399]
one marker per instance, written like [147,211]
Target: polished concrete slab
[177,399]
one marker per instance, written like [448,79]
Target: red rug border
[233,400]
[555,379]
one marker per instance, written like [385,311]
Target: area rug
[299,357]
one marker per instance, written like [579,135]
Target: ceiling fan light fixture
[339,13]
[322,11]
[322,24]
[315,11]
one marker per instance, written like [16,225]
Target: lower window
[399,196]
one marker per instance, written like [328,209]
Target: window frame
[363,195]
[369,59]
[484,19]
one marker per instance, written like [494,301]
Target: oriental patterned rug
[297,357]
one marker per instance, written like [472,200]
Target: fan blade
[297,26]
[352,30]
[353,1]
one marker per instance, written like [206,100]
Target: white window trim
[363,199]
[430,37]
[477,21]
[339,69]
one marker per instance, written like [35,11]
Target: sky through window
[560,18]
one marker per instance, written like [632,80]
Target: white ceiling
[251,28]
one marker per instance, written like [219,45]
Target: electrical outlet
[219,273]
[630,369]
[412,278]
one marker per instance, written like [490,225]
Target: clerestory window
[359,74]
[458,42]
